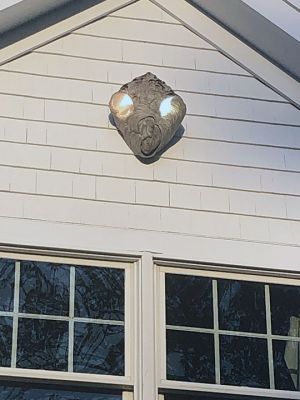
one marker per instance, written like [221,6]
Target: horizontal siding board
[148,193]
[21,155]
[22,107]
[86,46]
[194,150]
[202,105]
[145,10]
[242,131]
[53,88]
[144,53]
[149,218]
[144,31]
[224,180]
[76,113]
[167,245]
[231,153]
[244,109]
[102,71]
[126,166]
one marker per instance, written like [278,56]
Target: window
[228,331]
[68,320]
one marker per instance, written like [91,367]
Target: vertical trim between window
[15,314]
[269,339]
[216,331]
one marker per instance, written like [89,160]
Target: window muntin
[37,333]
[246,346]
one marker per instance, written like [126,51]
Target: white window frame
[126,383]
[215,272]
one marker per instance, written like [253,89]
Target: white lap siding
[228,191]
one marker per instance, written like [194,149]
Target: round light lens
[121,105]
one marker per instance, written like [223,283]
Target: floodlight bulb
[166,106]
[121,104]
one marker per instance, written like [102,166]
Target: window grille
[65,320]
[229,330]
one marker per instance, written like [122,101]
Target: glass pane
[285,310]
[190,357]
[211,396]
[189,397]
[7,284]
[14,391]
[286,364]
[42,344]
[242,306]
[244,361]
[44,288]
[189,301]
[6,325]
[99,293]
[99,349]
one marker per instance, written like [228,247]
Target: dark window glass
[211,396]
[44,288]
[6,324]
[189,301]
[42,344]
[190,356]
[244,361]
[99,349]
[285,310]
[189,397]
[7,284]
[286,364]
[242,306]
[9,391]
[99,293]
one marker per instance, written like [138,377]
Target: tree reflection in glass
[99,293]
[286,364]
[44,288]
[42,344]
[190,356]
[6,325]
[189,301]
[7,284]
[23,391]
[285,310]
[242,306]
[99,349]
[244,361]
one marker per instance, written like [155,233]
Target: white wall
[227,192]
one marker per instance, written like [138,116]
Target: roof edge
[256,31]
[234,48]
[56,27]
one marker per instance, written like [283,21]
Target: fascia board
[233,48]
[283,14]
[8,3]
[60,29]
[14,13]
[254,28]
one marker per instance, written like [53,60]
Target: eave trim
[233,48]
[60,29]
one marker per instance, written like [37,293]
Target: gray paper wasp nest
[147,113]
